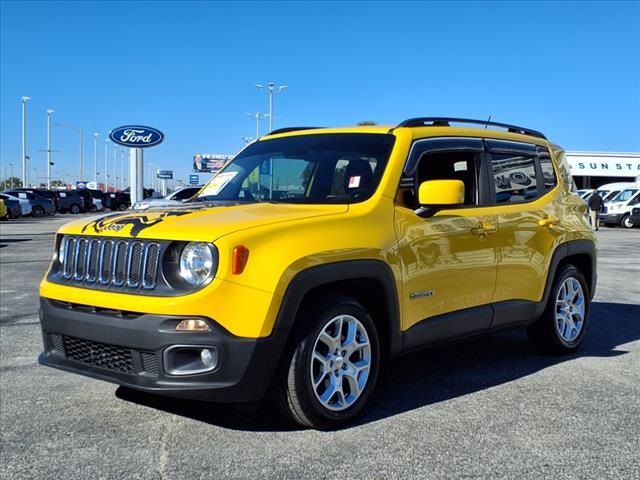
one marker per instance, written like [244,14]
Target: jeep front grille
[104,262]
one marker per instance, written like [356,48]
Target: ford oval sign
[136,136]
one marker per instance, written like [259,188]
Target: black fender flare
[563,251]
[317,276]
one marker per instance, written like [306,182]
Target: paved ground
[490,408]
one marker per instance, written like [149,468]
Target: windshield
[625,195]
[185,193]
[321,168]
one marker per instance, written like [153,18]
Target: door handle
[483,229]
[549,221]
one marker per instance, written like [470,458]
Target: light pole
[49,112]
[258,116]
[106,165]
[115,169]
[79,130]
[24,140]
[95,159]
[271,89]
[11,177]
[123,159]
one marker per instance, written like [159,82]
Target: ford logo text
[136,136]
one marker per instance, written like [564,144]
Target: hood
[199,222]
[155,202]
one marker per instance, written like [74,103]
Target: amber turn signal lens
[192,326]
[240,258]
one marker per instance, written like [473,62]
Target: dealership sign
[165,174]
[604,164]
[210,162]
[136,136]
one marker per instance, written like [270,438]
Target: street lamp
[49,112]
[271,89]
[123,159]
[79,130]
[95,159]
[106,165]
[24,140]
[258,117]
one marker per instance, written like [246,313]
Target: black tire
[122,207]
[625,222]
[74,209]
[544,335]
[293,390]
[37,211]
[93,208]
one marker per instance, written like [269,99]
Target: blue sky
[571,70]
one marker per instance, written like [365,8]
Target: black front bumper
[128,350]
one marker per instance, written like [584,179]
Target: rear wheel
[332,367]
[37,211]
[626,222]
[122,207]
[563,325]
[75,209]
[93,208]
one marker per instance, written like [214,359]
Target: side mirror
[441,193]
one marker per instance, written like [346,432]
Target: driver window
[451,166]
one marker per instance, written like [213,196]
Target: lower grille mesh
[101,355]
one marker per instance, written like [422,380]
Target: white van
[610,190]
[618,210]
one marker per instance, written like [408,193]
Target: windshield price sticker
[217,183]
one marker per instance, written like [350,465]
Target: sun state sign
[136,136]
[596,164]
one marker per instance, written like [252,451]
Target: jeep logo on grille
[136,136]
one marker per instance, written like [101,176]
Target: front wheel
[75,209]
[563,325]
[332,367]
[122,207]
[626,222]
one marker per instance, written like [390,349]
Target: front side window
[625,195]
[316,168]
[515,178]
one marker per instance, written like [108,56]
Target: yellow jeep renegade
[318,254]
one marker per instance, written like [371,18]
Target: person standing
[595,206]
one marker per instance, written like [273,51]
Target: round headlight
[196,263]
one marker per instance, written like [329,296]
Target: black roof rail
[446,121]
[291,129]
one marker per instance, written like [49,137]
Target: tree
[10,182]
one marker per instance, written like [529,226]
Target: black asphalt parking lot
[486,408]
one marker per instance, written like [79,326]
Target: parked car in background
[41,192]
[93,199]
[14,210]
[618,211]
[25,204]
[609,191]
[634,218]
[40,206]
[70,201]
[118,201]
[175,198]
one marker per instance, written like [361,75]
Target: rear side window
[548,173]
[515,177]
